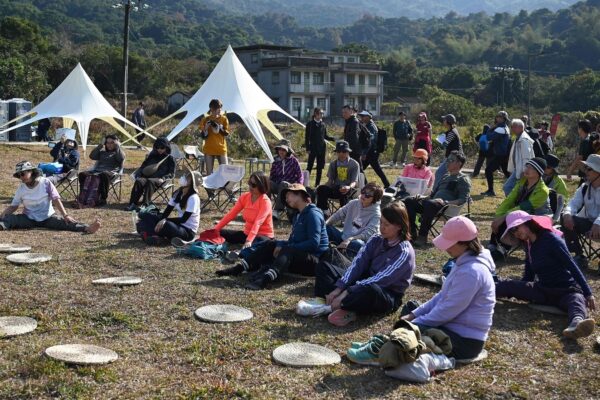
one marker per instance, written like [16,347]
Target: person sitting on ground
[451,143]
[299,254]
[342,178]
[551,275]
[109,157]
[581,216]
[285,171]
[464,307]
[361,221]
[520,152]
[256,210]
[379,275]
[584,130]
[186,202]
[558,189]
[158,167]
[38,196]
[423,137]
[530,195]
[214,127]
[64,152]
[419,169]
[454,188]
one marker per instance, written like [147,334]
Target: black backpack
[540,148]
[382,140]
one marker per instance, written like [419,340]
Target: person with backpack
[371,155]
[551,275]
[581,216]
[66,153]
[354,135]
[499,136]
[423,138]
[403,133]
[584,129]
[158,167]
[214,128]
[299,254]
[39,197]
[94,183]
[483,152]
[452,143]
[315,136]
[521,152]
[186,201]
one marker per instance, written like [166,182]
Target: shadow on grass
[360,385]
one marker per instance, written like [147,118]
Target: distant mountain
[320,13]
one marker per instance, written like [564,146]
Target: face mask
[183,181]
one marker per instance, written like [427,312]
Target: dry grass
[166,353]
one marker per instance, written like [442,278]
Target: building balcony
[288,62]
[350,67]
[311,88]
[362,89]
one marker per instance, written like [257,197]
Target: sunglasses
[160,147]
[366,194]
[22,174]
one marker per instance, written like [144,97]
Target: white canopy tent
[76,100]
[231,83]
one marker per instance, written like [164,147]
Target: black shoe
[489,193]
[235,270]
[259,283]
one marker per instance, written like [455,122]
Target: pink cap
[516,218]
[457,229]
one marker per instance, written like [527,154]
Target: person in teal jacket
[530,194]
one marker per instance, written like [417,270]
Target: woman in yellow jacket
[214,127]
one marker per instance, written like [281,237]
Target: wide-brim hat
[22,167]
[285,145]
[294,187]
[342,146]
[196,180]
[593,161]
[519,217]
[552,161]
[365,113]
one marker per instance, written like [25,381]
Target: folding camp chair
[223,185]
[115,186]
[194,157]
[163,193]
[180,160]
[69,185]
[447,212]
[587,245]
[334,204]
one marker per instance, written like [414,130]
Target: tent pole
[125,58]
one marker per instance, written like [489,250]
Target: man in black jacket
[352,133]
[314,141]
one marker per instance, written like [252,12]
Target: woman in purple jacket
[285,171]
[379,275]
[464,307]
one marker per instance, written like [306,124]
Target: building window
[340,59]
[295,77]
[371,103]
[350,79]
[351,59]
[332,77]
[317,78]
[322,103]
[275,77]
[307,77]
[297,105]
[361,80]
[372,80]
[254,58]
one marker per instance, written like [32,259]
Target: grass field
[165,353]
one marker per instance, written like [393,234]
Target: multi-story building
[299,80]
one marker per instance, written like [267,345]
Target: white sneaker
[312,307]
[580,328]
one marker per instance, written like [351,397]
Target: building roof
[266,47]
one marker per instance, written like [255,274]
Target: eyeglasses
[366,194]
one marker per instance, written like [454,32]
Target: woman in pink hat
[464,307]
[551,275]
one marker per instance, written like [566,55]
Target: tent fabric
[77,101]
[231,83]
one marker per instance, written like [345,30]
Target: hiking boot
[489,193]
[341,317]
[581,261]
[579,328]
[259,283]
[231,271]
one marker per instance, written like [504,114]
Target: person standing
[42,129]
[314,142]
[371,155]
[352,133]
[423,137]
[452,143]
[139,118]
[499,136]
[484,150]
[584,128]
[214,128]
[403,133]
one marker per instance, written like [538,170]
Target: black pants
[320,159]
[367,299]
[105,178]
[355,155]
[373,160]
[481,157]
[428,208]
[145,187]
[169,230]
[22,221]
[289,259]
[239,237]
[493,164]
[582,226]
[495,238]
[324,193]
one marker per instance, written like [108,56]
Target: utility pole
[503,70]
[529,86]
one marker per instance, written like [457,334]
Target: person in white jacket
[520,152]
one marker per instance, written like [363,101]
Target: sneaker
[341,317]
[179,242]
[313,307]
[231,271]
[579,328]
[581,261]
[363,356]
[232,256]
[259,283]
[489,193]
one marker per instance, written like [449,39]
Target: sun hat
[285,145]
[449,118]
[294,187]
[457,229]
[552,161]
[196,179]
[421,153]
[22,167]
[503,114]
[342,146]
[593,161]
[365,113]
[519,217]
[537,163]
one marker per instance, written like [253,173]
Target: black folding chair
[69,185]
[447,212]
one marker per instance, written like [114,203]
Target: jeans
[335,237]
[441,171]
[289,259]
[361,299]
[22,221]
[510,184]
[210,162]
[400,145]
